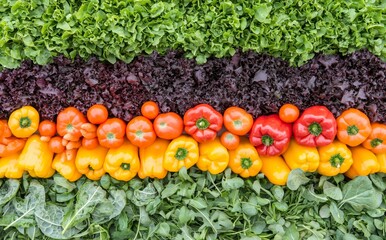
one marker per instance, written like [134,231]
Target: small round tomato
[237,120]
[90,143]
[229,140]
[111,133]
[97,114]
[55,145]
[47,128]
[168,125]
[289,113]
[140,132]
[150,109]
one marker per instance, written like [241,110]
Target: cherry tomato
[289,113]
[237,120]
[97,114]
[90,143]
[47,128]
[55,145]
[140,132]
[168,125]
[150,109]
[229,140]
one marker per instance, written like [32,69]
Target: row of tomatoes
[314,147]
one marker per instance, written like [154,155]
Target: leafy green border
[293,29]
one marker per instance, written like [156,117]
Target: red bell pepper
[270,135]
[316,127]
[203,122]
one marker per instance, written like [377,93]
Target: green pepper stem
[246,163]
[336,160]
[315,129]
[267,140]
[202,123]
[125,166]
[352,130]
[181,154]
[375,142]
[25,122]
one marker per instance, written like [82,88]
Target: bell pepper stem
[315,129]
[375,142]
[125,166]
[336,160]
[246,163]
[267,140]
[202,123]
[181,153]
[25,122]
[352,130]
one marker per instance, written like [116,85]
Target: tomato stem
[181,153]
[246,163]
[352,130]
[139,133]
[202,123]
[110,136]
[267,140]
[25,122]
[315,129]
[336,160]
[125,166]
[375,142]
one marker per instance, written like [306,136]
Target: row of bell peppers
[153,144]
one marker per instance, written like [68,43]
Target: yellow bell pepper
[66,167]
[382,162]
[90,162]
[303,157]
[24,122]
[152,158]
[214,157]
[181,152]
[275,169]
[9,167]
[245,160]
[122,163]
[36,158]
[365,163]
[335,158]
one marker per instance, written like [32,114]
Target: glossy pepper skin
[214,157]
[335,158]
[181,152]
[66,167]
[36,158]
[152,158]
[382,162]
[90,162]
[376,142]
[24,122]
[270,135]
[245,160]
[203,122]
[275,169]
[364,163]
[353,127]
[9,167]
[122,163]
[316,127]
[303,157]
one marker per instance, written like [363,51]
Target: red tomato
[140,132]
[150,109]
[55,145]
[47,128]
[97,114]
[229,140]
[168,125]
[289,113]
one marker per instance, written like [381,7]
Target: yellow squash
[122,163]
[214,157]
[36,158]
[90,162]
[335,158]
[303,157]
[152,158]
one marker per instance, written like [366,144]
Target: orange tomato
[237,120]
[140,132]
[168,125]
[90,143]
[229,140]
[288,113]
[111,133]
[55,145]
[150,109]
[47,128]
[97,114]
